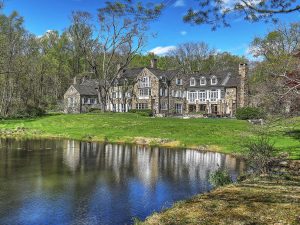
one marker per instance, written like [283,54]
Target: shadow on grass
[294,134]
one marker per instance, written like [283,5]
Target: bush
[142,112]
[261,154]
[29,112]
[248,113]
[220,178]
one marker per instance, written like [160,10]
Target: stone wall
[76,107]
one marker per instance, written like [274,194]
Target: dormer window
[214,80]
[202,81]
[178,81]
[192,82]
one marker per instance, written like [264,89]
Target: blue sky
[170,30]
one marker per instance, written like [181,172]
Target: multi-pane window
[192,96]
[178,108]
[214,80]
[178,81]
[71,102]
[145,92]
[141,106]
[145,82]
[163,106]
[89,101]
[192,81]
[178,94]
[214,95]
[163,92]
[202,81]
[202,95]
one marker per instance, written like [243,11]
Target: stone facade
[168,92]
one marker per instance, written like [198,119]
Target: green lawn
[225,135]
[254,201]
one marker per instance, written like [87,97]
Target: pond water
[71,182]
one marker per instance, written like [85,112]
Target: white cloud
[162,50]
[183,33]
[179,3]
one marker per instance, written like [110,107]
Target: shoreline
[136,141]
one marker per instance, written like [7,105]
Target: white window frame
[192,82]
[214,78]
[192,96]
[202,95]
[144,92]
[202,83]
[178,81]
[214,95]
[145,82]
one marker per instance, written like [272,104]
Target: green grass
[255,201]
[224,135]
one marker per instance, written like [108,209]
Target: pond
[71,182]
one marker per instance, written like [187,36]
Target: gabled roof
[87,87]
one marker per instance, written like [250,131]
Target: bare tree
[190,56]
[120,37]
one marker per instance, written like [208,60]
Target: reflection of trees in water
[148,164]
[80,175]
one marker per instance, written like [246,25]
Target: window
[163,92]
[202,95]
[145,82]
[178,94]
[141,106]
[178,81]
[192,82]
[92,101]
[144,92]
[71,102]
[123,107]
[202,81]
[214,95]
[114,95]
[178,108]
[214,80]
[192,96]
[163,106]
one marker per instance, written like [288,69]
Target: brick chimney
[154,63]
[244,89]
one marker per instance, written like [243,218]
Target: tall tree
[278,75]
[120,37]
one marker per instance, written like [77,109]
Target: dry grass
[263,201]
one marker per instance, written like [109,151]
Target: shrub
[142,112]
[261,154]
[247,113]
[29,112]
[94,110]
[220,178]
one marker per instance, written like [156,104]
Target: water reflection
[70,182]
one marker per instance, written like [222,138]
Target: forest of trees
[35,71]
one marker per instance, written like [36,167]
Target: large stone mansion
[164,92]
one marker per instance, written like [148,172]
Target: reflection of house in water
[71,156]
[147,164]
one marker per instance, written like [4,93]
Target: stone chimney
[154,63]
[75,80]
[244,89]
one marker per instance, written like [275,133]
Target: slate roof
[88,87]
[224,78]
